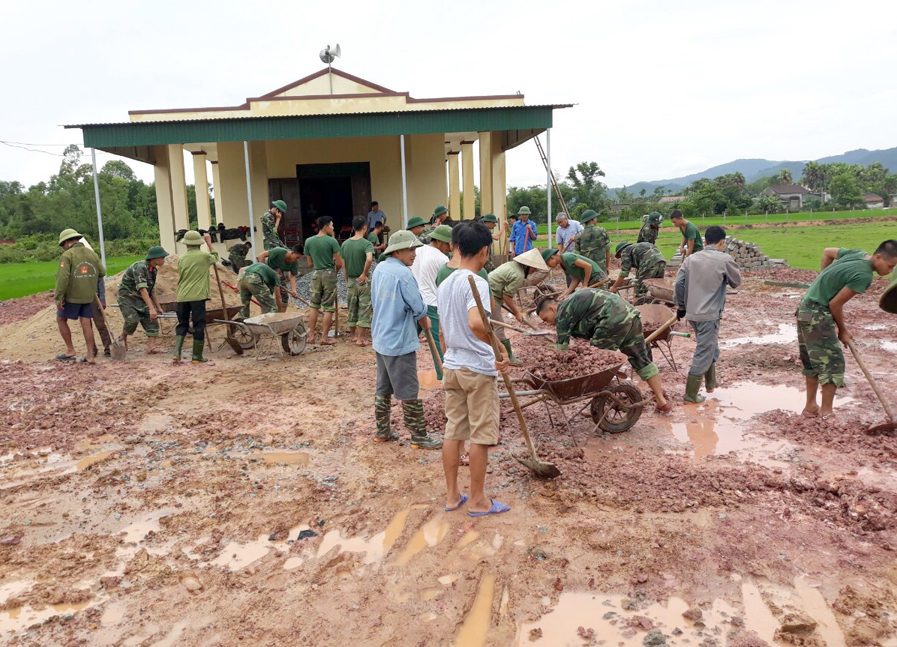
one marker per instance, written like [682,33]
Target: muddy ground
[143,503]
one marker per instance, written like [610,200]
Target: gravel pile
[542,360]
[303,287]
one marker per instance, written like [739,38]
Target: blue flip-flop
[460,503]
[66,358]
[497,508]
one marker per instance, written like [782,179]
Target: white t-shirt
[426,266]
[463,349]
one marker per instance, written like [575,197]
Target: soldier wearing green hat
[648,262]
[650,228]
[427,262]
[593,241]
[523,233]
[416,225]
[271,225]
[580,271]
[491,223]
[192,293]
[76,291]
[440,217]
[136,300]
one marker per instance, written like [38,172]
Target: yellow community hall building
[327,144]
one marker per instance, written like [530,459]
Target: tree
[814,176]
[587,188]
[768,203]
[784,177]
[845,189]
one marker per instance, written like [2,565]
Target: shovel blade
[540,469]
[118,352]
[885,429]
[233,343]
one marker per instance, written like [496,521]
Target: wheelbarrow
[266,328]
[614,404]
[653,317]
[661,290]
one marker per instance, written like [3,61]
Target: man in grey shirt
[701,288]
[566,233]
[375,216]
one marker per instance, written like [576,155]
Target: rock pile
[747,255]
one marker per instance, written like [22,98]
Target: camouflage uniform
[323,290]
[270,239]
[133,309]
[648,234]
[253,285]
[820,349]
[609,322]
[592,242]
[648,262]
[237,256]
[359,297]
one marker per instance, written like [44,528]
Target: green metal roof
[132,134]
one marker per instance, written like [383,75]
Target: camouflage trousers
[629,339]
[323,290]
[649,270]
[252,285]
[135,311]
[359,297]
[820,349]
[412,410]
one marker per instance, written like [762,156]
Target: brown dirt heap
[542,360]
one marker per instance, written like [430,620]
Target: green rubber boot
[507,344]
[692,386]
[417,425]
[710,378]
[197,351]
[178,345]
[381,417]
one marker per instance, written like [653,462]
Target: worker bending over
[398,310]
[845,274]
[322,252]
[286,263]
[648,262]
[259,282]
[691,237]
[579,270]
[609,322]
[700,296]
[136,300]
[504,282]
[650,228]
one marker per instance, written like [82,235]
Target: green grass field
[800,246]
[22,279]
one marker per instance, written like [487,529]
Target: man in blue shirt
[398,309]
[375,216]
[523,234]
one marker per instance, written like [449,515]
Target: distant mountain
[754,169]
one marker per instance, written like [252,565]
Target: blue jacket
[397,305]
[522,243]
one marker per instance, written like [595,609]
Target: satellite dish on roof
[327,55]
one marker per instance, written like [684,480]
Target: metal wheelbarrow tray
[661,289]
[286,325]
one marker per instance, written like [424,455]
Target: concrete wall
[425,174]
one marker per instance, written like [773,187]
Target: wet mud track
[243,503]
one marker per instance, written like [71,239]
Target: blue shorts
[74,310]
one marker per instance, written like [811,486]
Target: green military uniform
[504,280]
[277,261]
[592,242]
[323,278]
[648,262]
[192,293]
[817,334]
[692,233]
[354,253]
[139,276]
[445,271]
[258,280]
[237,256]
[76,279]
[489,217]
[598,274]
[608,321]
[650,229]
[270,239]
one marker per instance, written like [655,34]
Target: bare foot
[810,412]
[828,417]
[154,351]
[666,408]
[327,342]
[464,460]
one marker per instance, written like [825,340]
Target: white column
[216,187]
[470,198]
[255,250]
[163,200]
[404,183]
[454,204]
[201,186]
[548,185]
[486,173]
[96,193]
[178,187]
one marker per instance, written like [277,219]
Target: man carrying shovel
[845,274]
[701,286]
[75,293]
[136,300]
[609,322]
[193,292]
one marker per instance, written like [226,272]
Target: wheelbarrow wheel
[616,418]
[244,337]
[294,341]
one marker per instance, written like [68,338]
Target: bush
[45,247]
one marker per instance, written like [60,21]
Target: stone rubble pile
[747,255]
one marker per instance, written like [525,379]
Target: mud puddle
[284,458]
[786,334]
[23,617]
[476,625]
[375,548]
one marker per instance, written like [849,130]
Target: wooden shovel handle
[433,350]
[508,385]
[654,335]
[881,397]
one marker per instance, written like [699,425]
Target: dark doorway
[341,191]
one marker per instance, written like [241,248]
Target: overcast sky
[662,88]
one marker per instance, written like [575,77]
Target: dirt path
[143,503]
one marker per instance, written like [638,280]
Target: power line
[25,147]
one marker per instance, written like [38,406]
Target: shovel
[231,341]
[890,426]
[543,470]
[117,351]
[654,335]
[433,350]
[528,333]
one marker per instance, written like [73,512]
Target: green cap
[402,239]
[655,217]
[156,251]
[588,215]
[621,247]
[439,210]
[547,253]
[68,234]
[417,221]
[192,239]
[489,217]
[442,233]
[280,204]
[888,301]
[524,211]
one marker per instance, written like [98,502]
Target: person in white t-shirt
[426,266]
[471,367]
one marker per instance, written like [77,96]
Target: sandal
[66,358]
[460,503]
[497,508]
